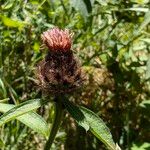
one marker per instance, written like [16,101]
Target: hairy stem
[56,122]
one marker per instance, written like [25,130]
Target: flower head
[57,40]
[59,72]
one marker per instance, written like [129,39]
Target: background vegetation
[111,38]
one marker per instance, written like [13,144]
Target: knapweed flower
[59,72]
[57,40]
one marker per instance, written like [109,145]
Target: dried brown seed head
[57,40]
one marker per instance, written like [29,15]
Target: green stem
[56,123]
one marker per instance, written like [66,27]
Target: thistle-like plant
[59,74]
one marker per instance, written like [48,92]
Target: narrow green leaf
[148,68]
[117,147]
[31,119]
[102,2]
[92,2]
[146,40]
[11,22]
[77,115]
[20,110]
[80,6]
[88,119]
[143,146]
[7,5]
[138,9]
[4,92]
[144,103]
[4,100]
[98,127]
[1,144]
[146,21]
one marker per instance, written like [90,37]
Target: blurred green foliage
[111,38]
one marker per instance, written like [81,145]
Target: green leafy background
[111,39]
